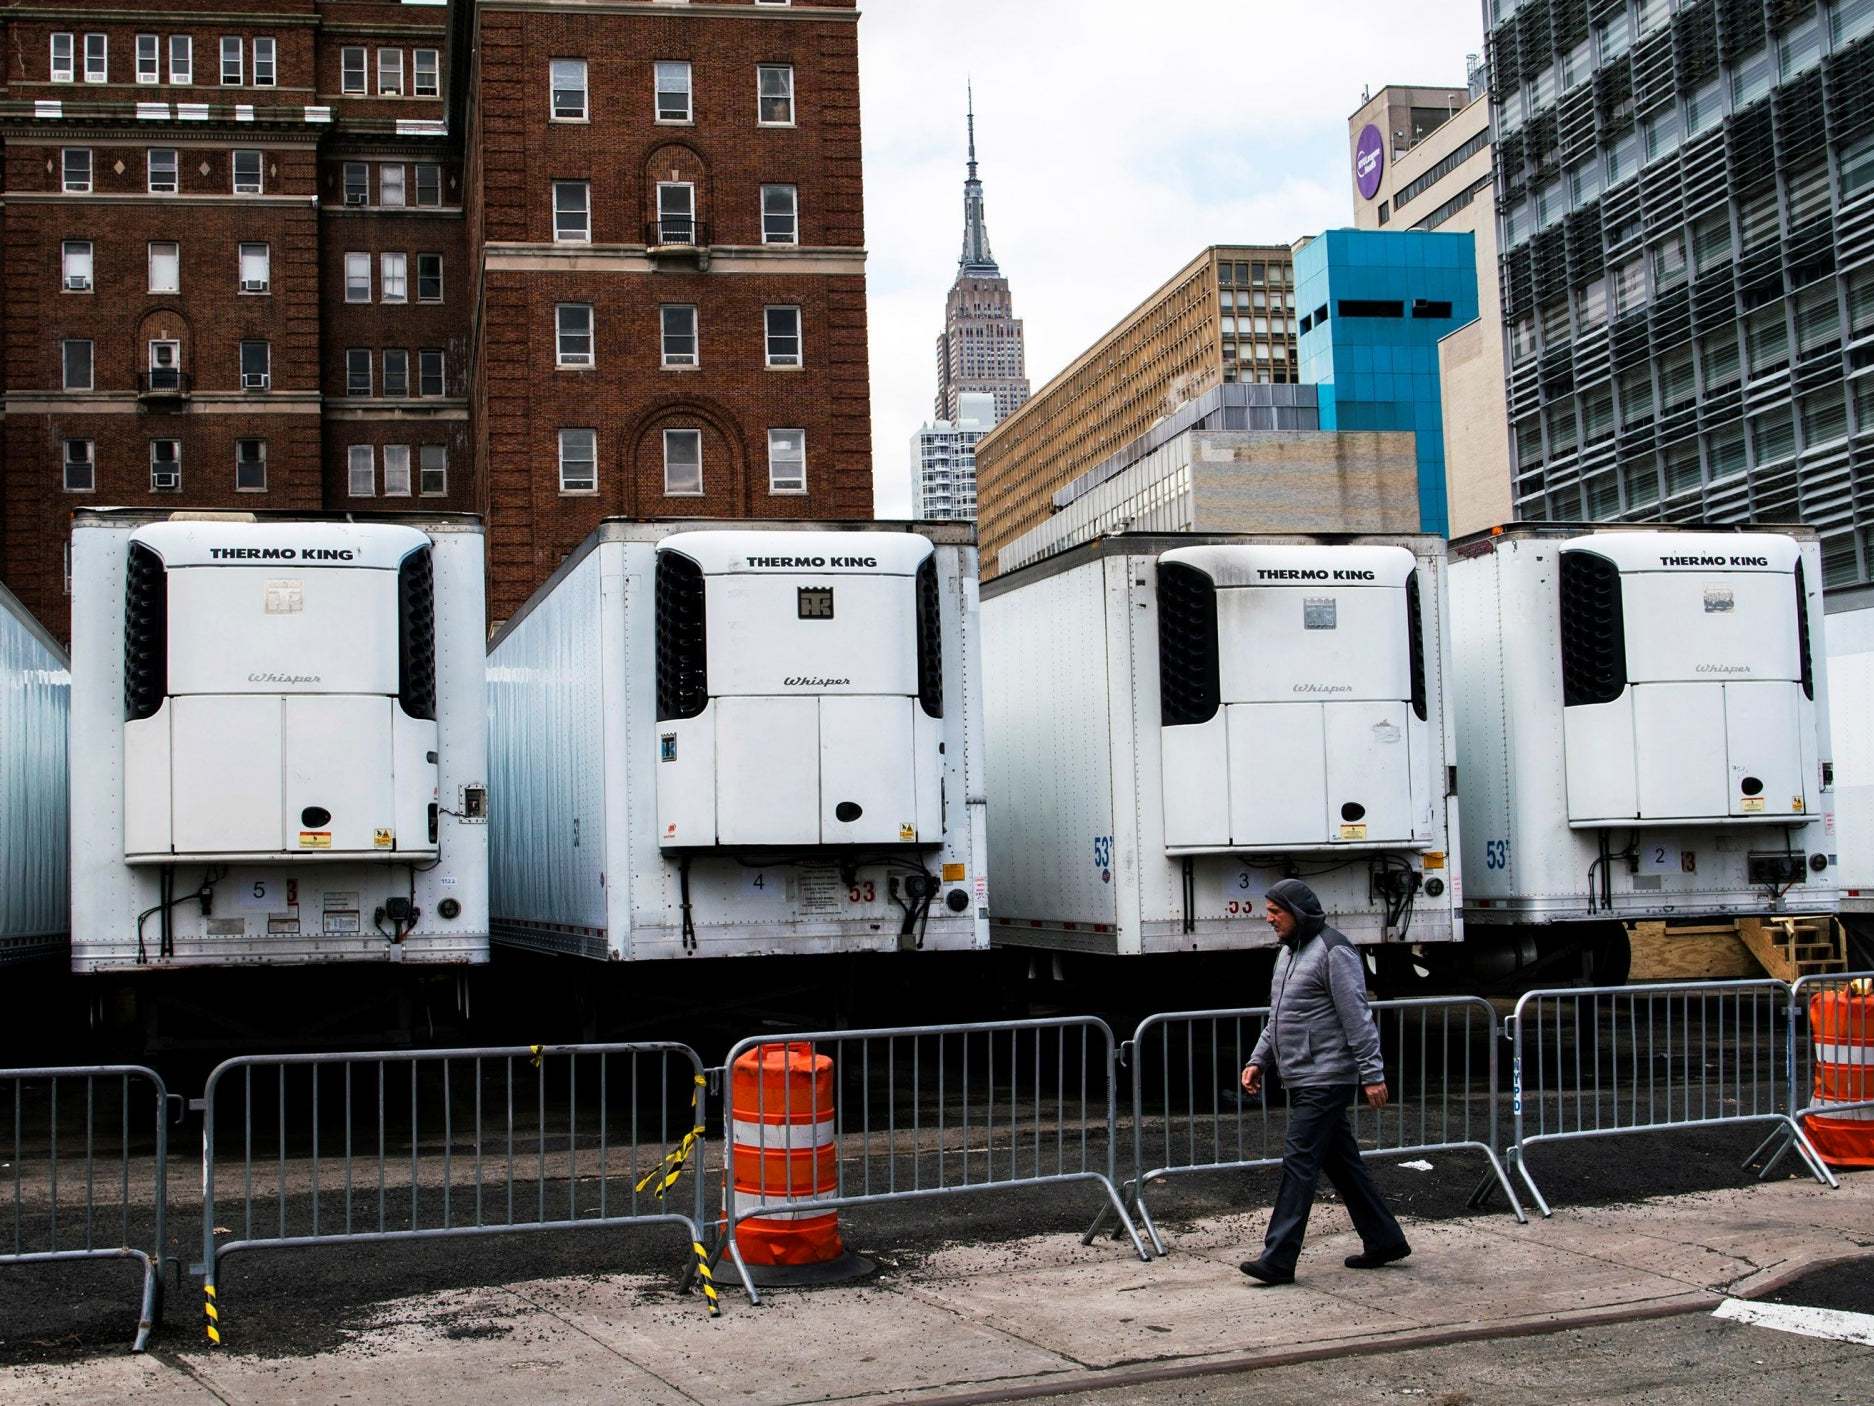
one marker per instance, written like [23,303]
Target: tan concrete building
[1227,316]
[1419,158]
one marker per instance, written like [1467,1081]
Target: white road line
[1832,1323]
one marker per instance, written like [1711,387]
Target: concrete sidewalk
[1025,1317]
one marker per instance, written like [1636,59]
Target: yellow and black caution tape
[666,1172]
[708,1279]
[213,1317]
[539,1052]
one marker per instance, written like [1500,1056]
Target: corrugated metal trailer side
[35,707]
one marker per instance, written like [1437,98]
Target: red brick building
[305,254]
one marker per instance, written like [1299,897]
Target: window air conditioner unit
[253,285]
[354,197]
[254,381]
[78,283]
[165,479]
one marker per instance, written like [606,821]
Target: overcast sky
[1115,141]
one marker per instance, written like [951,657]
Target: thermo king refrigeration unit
[1176,722]
[755,740]
[283,741]
[35,695]
[1642,726]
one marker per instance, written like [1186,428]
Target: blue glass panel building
[1372,306]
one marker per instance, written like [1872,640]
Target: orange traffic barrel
[1841,1026]
[781,1113]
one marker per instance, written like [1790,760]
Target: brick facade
[440,175]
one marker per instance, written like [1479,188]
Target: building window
[390,185]
[231,60]
[433,466]
[783,327]
[396,471]
[97,58]
[673,91]
[165,466]
[357,371]
[683,463]
[62,60]
[428,183]
[264,66]
[165,267]
[256,268]
[390,72]
[787,461]
[75,168]
[775,87]
[780,215]
[77,357]
[425,74]
[256,366]
[250,466]
[572,212]
[357,278]
[149,58]
[396,373]
[75,265]
[567,78]
[163,173]
[429,278]
[247,179]
[393,277]
[181,59]
[579,461]
[351,70]
[361,471]
[573,322]
[81,474]
[165,365]
[429,373]
[357,183]
[676,212]
[679,334]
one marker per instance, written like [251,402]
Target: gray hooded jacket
[1320,1029]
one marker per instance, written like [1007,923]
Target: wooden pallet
[1794,947]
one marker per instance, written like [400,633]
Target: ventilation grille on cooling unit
[1802,633]
[1594,633]
[146,633]
[930,640]
[416,634]
[1188,687]
[1415,642]
[682,638]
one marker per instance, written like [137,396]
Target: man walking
[1322,1040]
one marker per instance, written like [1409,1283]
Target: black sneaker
[1266,1274]
[1373,1259]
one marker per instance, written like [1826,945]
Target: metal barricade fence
[1831,1058]
[1190,1115]
[937,1110]
[348,1149]
[1599,1061]
[120,1144]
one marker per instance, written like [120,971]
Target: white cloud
[1116,141]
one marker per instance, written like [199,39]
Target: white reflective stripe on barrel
[773,1207]
[754,1136]
[1847,1115]
[1857,1056]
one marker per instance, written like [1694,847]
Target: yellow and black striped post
[708,1279]
[212,1317]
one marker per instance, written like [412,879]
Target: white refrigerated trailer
[1850,636]
[757,740]
[1177,721]
[282,740]
[1642,731]
[35,696]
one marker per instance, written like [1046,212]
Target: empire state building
[981,349]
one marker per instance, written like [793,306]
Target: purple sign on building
[1369,161]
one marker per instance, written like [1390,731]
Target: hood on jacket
[1299,900]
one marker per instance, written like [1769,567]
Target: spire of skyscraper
[976,259]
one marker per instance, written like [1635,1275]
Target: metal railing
[348,1149]
[89,1171]
[1817,1061]
[1190,1115]
[939,1110]
[1601,1061]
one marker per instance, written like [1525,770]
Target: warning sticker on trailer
[1751,805]
[1353,832]
[286,597]
[315,839]
[953,873]
[1319,613]
[821,892]
[383,839]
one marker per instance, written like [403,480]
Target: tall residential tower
[980,349]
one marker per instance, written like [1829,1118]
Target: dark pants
[1320,1139]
